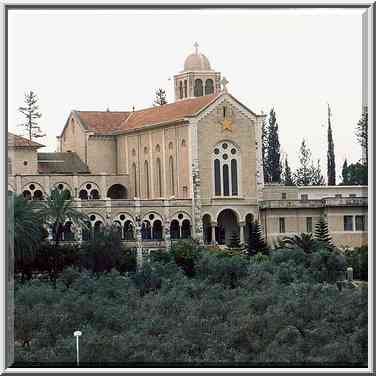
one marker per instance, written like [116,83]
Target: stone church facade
[191,168]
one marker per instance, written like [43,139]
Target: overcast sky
[296,61]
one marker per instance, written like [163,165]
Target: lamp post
[77,334]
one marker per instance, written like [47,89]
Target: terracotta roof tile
[19,141]
[102,121]
[115,122]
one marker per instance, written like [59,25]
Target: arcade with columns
[190,168]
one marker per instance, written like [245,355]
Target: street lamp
[77,334]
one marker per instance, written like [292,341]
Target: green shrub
[186,253]
[357,258]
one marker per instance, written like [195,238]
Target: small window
[284,196]
[338,195]
[185,192]
[304,197]
[282,225]
[348,223]
[352,195]
[309,224]
[25,163]
[360,223]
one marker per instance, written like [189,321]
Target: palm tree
[24,229]
[57,209]
[304,241]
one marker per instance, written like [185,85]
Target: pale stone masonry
[189,168]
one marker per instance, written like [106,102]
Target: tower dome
[197,79]
[196,61]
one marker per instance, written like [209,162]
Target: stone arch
[152,226]
[198,88]
[89,191]
[33,191]
[227,224]
[180,225]
[127,225]
[117,192]
[226,159]
[209,86]
[96,223]
[207,228]
[60,186]
[249,219]
[174,229]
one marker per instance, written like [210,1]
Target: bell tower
[197,78]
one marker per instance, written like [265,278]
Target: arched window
[146,175]
[199,90]
[185,89]
[209,86]
[234,177]
[134,177]
[181,90]
[217,177]
[159,178]
[226,182]
[172,177]
[226,157]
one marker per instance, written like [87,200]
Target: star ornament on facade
[227,125]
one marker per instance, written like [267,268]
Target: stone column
[213,226]
[167,235]
[242,230]
[139,247]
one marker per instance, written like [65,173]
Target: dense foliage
[194,306]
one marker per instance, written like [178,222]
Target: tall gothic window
[172,178]
[226,158]
[209,86]
[146,175]
[134,177]
[159,177]
[185,89]
[181,90]
[199,90]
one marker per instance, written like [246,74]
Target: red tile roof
[19,141]
[115,122]
[102,121]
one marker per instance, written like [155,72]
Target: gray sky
[294,60]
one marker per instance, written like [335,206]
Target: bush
[226,270]
[357,258]
[186,253]
[278,309]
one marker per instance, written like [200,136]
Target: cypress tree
[256,241]
[303,175]
[317,177]
[264,141]
[361,133]
[234,240]
[273,152]
[287,174]
[331,156]
[322,232]
[345,175]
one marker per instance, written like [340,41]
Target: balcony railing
[325,202]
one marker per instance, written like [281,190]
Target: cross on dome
[196,47]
